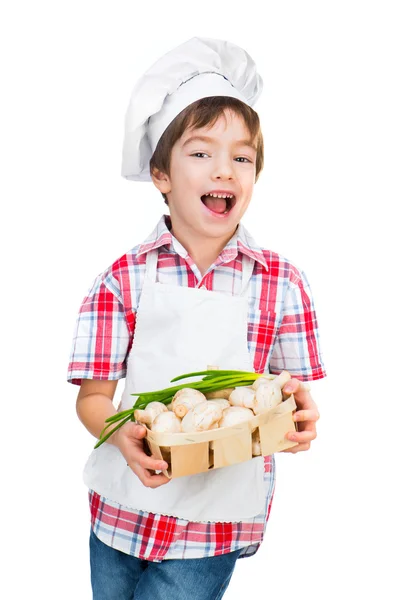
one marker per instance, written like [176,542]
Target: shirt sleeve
[297,345]
[102,336]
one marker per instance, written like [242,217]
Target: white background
[332,198]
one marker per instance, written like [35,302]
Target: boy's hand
[129,440]
[306,416]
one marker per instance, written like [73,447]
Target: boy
[154,314]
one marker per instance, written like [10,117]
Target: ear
[161,180]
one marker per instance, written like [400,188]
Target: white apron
[182,330]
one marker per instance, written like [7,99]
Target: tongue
[218,205]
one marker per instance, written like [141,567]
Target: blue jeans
[119,576]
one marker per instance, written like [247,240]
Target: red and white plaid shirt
[282,334]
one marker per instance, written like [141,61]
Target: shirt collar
[241,241]
[160,236]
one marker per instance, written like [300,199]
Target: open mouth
[220,206]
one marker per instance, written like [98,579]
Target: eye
[196,153]
[243,158]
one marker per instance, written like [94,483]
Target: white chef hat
[198,68]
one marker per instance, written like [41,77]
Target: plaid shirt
[282,334]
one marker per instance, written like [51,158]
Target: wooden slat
[188,460]
[232,450]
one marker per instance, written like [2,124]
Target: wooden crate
[190,453]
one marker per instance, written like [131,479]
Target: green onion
[101,441]
[212,373]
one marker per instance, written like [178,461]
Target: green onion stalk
[212,381]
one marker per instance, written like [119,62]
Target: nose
[223,168]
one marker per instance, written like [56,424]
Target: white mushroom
[269,394]
[185,399]
[266,377]
[222,402]
[151,411]
[235,415]
[279,380]
[242,396]
[201,417]
[166,422]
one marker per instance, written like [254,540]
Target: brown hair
[199,114]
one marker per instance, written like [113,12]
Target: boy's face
[222,163]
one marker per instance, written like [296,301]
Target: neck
[203,250]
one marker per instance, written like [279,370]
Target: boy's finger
[139,431]
[148,462]
[155,481]
[291,386]
[306,415]
[149,480]
[295,385]
[302,436]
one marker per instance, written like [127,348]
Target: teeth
[220,195]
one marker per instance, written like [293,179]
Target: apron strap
[246,273]
[151,264]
